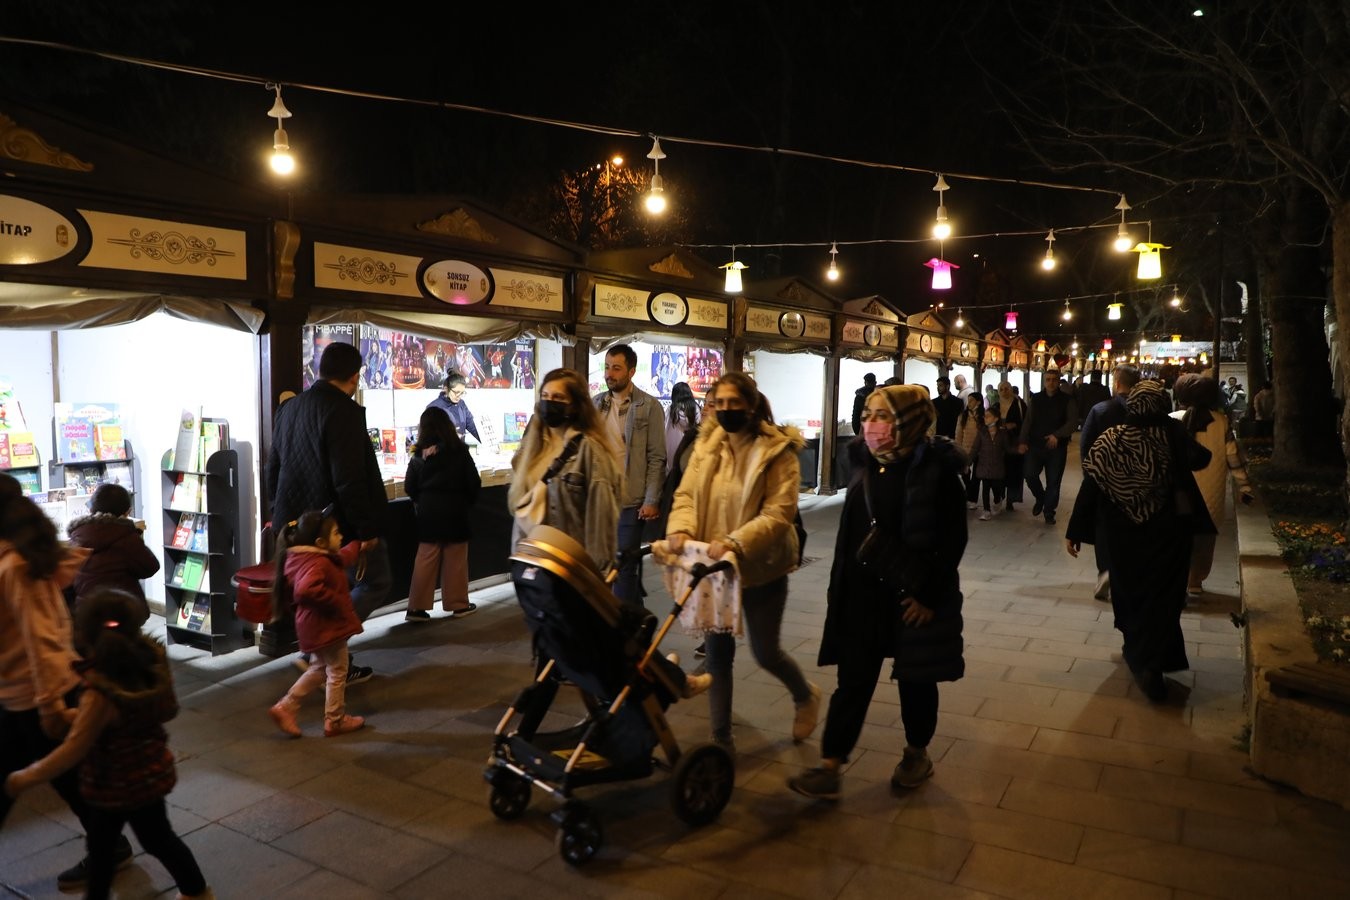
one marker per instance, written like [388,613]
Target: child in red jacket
[312,577]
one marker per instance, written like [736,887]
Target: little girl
[986,462]
[119,743]
[312,576]
[118,556]
[443,482]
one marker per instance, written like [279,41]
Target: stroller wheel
[508,796]
[702,783]
[579,834]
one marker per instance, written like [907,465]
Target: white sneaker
[986,516]
[970,505]
[998,508]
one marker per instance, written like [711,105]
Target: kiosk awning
[47,308]
[456,329]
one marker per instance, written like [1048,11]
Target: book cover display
[77,428]
[187,447]
[401,361]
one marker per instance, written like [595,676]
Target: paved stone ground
[1054,777]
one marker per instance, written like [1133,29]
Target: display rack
[19,447]
[198,603]
[86,475]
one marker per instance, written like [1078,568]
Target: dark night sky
[908,84]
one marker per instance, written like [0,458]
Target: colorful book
[118,473]
[187,491]
[30,480]
[85,478]
[198,541]
[182,535]
[22,450]
[193,569]
[188,445]
[108,443]
[179,570]
[75,441]
[4,450]
[199,617]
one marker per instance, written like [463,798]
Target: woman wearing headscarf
[1012,409]
[895,592]
[1139,474]
[1202,412]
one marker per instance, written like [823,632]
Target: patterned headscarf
[914,415]
[1132,463]
[1199,394]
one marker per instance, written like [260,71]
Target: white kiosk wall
[795,386]
[968,371]
[924,372]
[851,372]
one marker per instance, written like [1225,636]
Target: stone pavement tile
[1042,632]
[370,795]
[1191,794]
[1297,810]
[996,615]
[1218,738]
[1130,815]
[927,810]
[1020,659]
[636,875]
[472,829]
[28,832]
[997,689]
[272,759]
[1111,667]
[1122,707]
[959,704]
[279,814]
[992,639]
[1021,875]
[985,730]
[325,884]
[1103,624]
[1232,769]
[878,881]
[1037,766]
[977,668]
[1149,757]
[1215,650]
[212,792]
[362,850]
[780,866]
[1081,720]
[239,868]
[192,733]
[1305,848]
[1186,868]
[833,832]
[1088,683]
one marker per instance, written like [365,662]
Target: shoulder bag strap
[568,451]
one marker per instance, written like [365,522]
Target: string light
[942,229]
[1068,313]
[656,198]
[960,321]
[282,161]
[1176,298]
[1049,262]
[1124,243]
[832,273]
[1010,320]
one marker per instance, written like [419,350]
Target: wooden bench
[1325,681]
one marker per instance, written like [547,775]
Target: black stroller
[607,649]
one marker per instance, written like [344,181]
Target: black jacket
[321,454]
[948,411]
[118,557]
[444,486]
[921,502]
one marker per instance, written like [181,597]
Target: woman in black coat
[443,482]
[899,597]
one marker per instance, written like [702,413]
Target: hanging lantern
[1106,343]
[1040,346]
[1150,260]
[1010,320]
[1176,339]
[942,273]
[1113,310]
[733,280]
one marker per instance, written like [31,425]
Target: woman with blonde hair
[567,473]
[739,494]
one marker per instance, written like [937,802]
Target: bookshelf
[19,459]
[87,474]
[201,551]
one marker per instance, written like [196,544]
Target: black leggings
[151,826]
[22,743]
[858,674]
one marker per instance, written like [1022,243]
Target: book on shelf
[4,450]
[187,492]
[30,480]
[108,443]
[179,569]
[182,535]
[199,615]
[85,479]
[188,445]
[194,567]
[118,473]
[22,450]
[215,437]
[198,540]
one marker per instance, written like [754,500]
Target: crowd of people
[84,694]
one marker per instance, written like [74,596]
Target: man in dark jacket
[860,400]
[1051,419]
[949,408]
[321,455]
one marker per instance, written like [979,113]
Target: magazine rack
[85,476]
[201,554]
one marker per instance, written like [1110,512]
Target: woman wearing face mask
[739,494]
[582,497]
[908,486]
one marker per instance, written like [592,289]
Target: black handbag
[882,553]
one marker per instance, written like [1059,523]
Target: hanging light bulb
[1074,345]
[1124,243]
[1113,311]
[1049,262]
[1106,343]
[832,273]
[1068,313]
[1176,298]
[282,161]
[1010,320]
[733,282]
[656,198]
[1150,260]
[942,273]
[942,229]
[960,322]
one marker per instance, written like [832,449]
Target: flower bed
[1308,511]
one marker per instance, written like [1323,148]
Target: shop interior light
[1049,262]
[1124,243]
[942,229]
[1010,320]
[283,163]
[1150,260]
[832,273]
[942,273]
[1113,310]
[656,197]
[733,282]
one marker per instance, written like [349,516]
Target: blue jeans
[372,591]
[628,586]
[1038,458]
[762,608]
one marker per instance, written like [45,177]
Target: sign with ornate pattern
[668,308]
[371,271]
[817,327]
[787,323]
[707,313]
[527,290]
[30,233]
[136,244]
[620,302]
[457,282]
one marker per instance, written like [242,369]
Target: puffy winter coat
[444,487]
[118,557]
[322,600]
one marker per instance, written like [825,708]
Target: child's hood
[98,531]
[304,557]
[159,690]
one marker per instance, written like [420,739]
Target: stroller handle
[699,571]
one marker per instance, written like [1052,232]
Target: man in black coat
[1052,417]
[949,408]
[860,400]
[321,455]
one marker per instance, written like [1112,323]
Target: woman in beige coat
[739,494]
